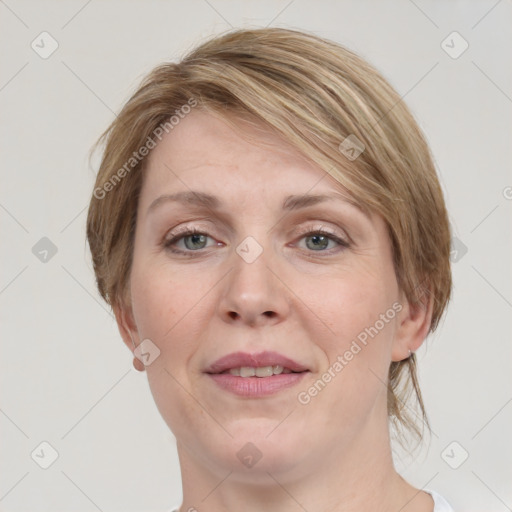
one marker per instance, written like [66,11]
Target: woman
[269,229]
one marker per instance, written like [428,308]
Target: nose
[254,293]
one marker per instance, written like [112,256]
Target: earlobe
[413,326]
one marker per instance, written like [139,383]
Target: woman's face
[275,278]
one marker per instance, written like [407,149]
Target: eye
[193,240]
[318,240]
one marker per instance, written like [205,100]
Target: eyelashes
[319,237]
[187,233]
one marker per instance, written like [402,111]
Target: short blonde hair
[314,93]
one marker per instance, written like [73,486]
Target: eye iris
[200,239]
[195,241]
[320,241]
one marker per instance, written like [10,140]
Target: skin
[331,454]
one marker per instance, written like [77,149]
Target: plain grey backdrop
[78,424]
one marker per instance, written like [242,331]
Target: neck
[356,477]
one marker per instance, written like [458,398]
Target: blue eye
[320,240]
[195,240]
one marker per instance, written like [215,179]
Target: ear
[413,325]
[126,325]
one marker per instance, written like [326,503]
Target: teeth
[277,369]
[247,371]
[261,371]
[264,371]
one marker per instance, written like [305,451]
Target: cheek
[168,310]
[360,311]
[349,304]
[161,298]
[172,309]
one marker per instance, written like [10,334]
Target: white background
[66,376]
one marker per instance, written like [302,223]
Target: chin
[258,448]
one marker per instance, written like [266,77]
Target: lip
[267,358]
[255,387]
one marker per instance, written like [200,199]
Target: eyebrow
[291,203]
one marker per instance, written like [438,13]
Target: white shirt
[440,504]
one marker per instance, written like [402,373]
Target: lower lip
[255,387]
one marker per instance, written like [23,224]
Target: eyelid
[343,235]
[341,242]
[302,231]
[321,227]
[184,231]
[178,234]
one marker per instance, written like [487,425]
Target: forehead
[204,139]
[207,151]
[236,170]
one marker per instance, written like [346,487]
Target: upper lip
[267,358]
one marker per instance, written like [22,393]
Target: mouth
[258,371]
[256,375]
